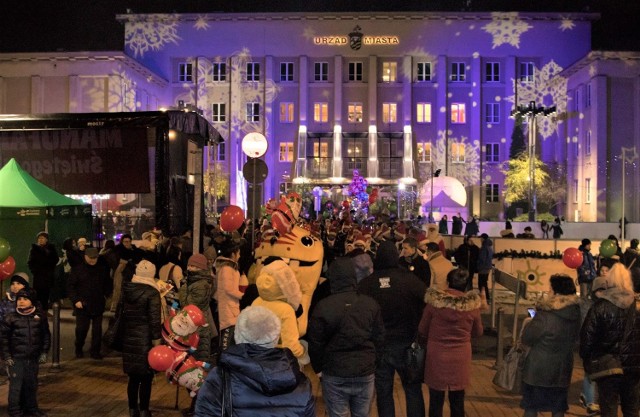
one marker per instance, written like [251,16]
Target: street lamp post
[434,174]
[532,111]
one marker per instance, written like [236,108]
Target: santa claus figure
[187,372]
[180,330]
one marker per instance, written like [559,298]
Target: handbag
[227,403]
[509,374]
[414,358]
[113,337]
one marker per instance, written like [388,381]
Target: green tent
[27,207]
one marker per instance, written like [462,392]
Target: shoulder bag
[509,374]
[414,358]
[113,337]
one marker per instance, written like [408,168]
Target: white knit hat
[145,269]
[259,326]
[278,278]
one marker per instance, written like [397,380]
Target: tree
[517,181]
[518,143]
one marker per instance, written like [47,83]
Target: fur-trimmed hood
[222,261]
[558,302]
[453,299]
[619,297]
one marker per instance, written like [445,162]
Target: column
[337,116]
[372,118]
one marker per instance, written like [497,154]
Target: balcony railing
[354,163]
[390,167]
[319,167]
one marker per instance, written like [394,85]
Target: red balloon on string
[345,204]
[231,219]
[161,358]
[7,267]
[572,258]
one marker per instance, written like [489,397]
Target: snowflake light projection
[421,55]
[547,89]
[93,92]
[567,24]
[506,28]
[468,172]
[201,23]
[122,94]
[150,33]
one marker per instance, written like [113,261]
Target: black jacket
[603,329]
[24,336]
[91,285]
[346,331]
[141,320]
[418,266]
[42,263]
[467,257]
[264,382]
[399,293]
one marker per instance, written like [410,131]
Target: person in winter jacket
[142,330]
[466,256]
[264,381]
[401,299]
[24,344]
[551,336]
[631,257]
[228,292]
[587,271]
[88,287]
[603,332]
[280,292]
[8,304]
[346,337]
[42,262]
[412,260]
[439,266]
[485,264]
[451,318]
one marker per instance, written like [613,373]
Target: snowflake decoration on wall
[93,92]
[309,33]
[150,33]
[506,28]
[121,95]
[567,24]
[201,23]
[421,55]
[468,172]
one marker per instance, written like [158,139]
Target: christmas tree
[358,193]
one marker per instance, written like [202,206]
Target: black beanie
[24,293]
[20,279]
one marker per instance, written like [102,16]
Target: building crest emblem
[355,38]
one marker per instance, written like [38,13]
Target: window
[220,152]
[587,143]
[218,112]
[577,100]
[253,112]
[424,151]
[219,71]
[286,152]
[355,112]
[575,191]
[286,112]
[321,112]
[285,187]
[423,112]
[492,113]
[492,72]
[577,148]
[253,71]
[185,72]
[321,71]
[587,190]
[389,72]
[424,71]
[492,152]
[587,99]
[286,71]
[389,112]
[457,71]
[526,72]
[458,113]
[355,71]
[457,152]
[492,192]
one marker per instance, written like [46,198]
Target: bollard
[500,341]
[55,342]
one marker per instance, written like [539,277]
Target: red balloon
[345,204]
[373,198]
[231,219]
[572,258]
[7,267]
[161,358]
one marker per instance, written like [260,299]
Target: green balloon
[608,248]
[5,249]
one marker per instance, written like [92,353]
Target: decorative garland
[527,254]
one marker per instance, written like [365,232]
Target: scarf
[152,283]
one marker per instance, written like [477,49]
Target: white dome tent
[449,197]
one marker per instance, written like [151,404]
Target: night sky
[90,25]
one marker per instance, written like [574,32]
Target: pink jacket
[228,292]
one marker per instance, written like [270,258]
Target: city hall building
[394,96]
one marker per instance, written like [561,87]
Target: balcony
[390,167]
[350,164]
[319,168]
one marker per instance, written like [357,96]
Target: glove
[43,358]
[10,362]
[156,342]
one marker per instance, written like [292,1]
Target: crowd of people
[384,286]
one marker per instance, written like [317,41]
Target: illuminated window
[218,112]
[492,152]
[457,152]
[286,71]
[355,71]
[492,192]
[424,151]
[424,71]
[458,113]
[389,72]
[185,72]
[286,152]
[286,112]
[219,71]
[457,72]
[253,71]
[253,112]
[492,113]
[526,72]
[320,149]
[321,112]
[389,112]
[355,112]
[423,112]
[492,72]
[587,190]
[321,71]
